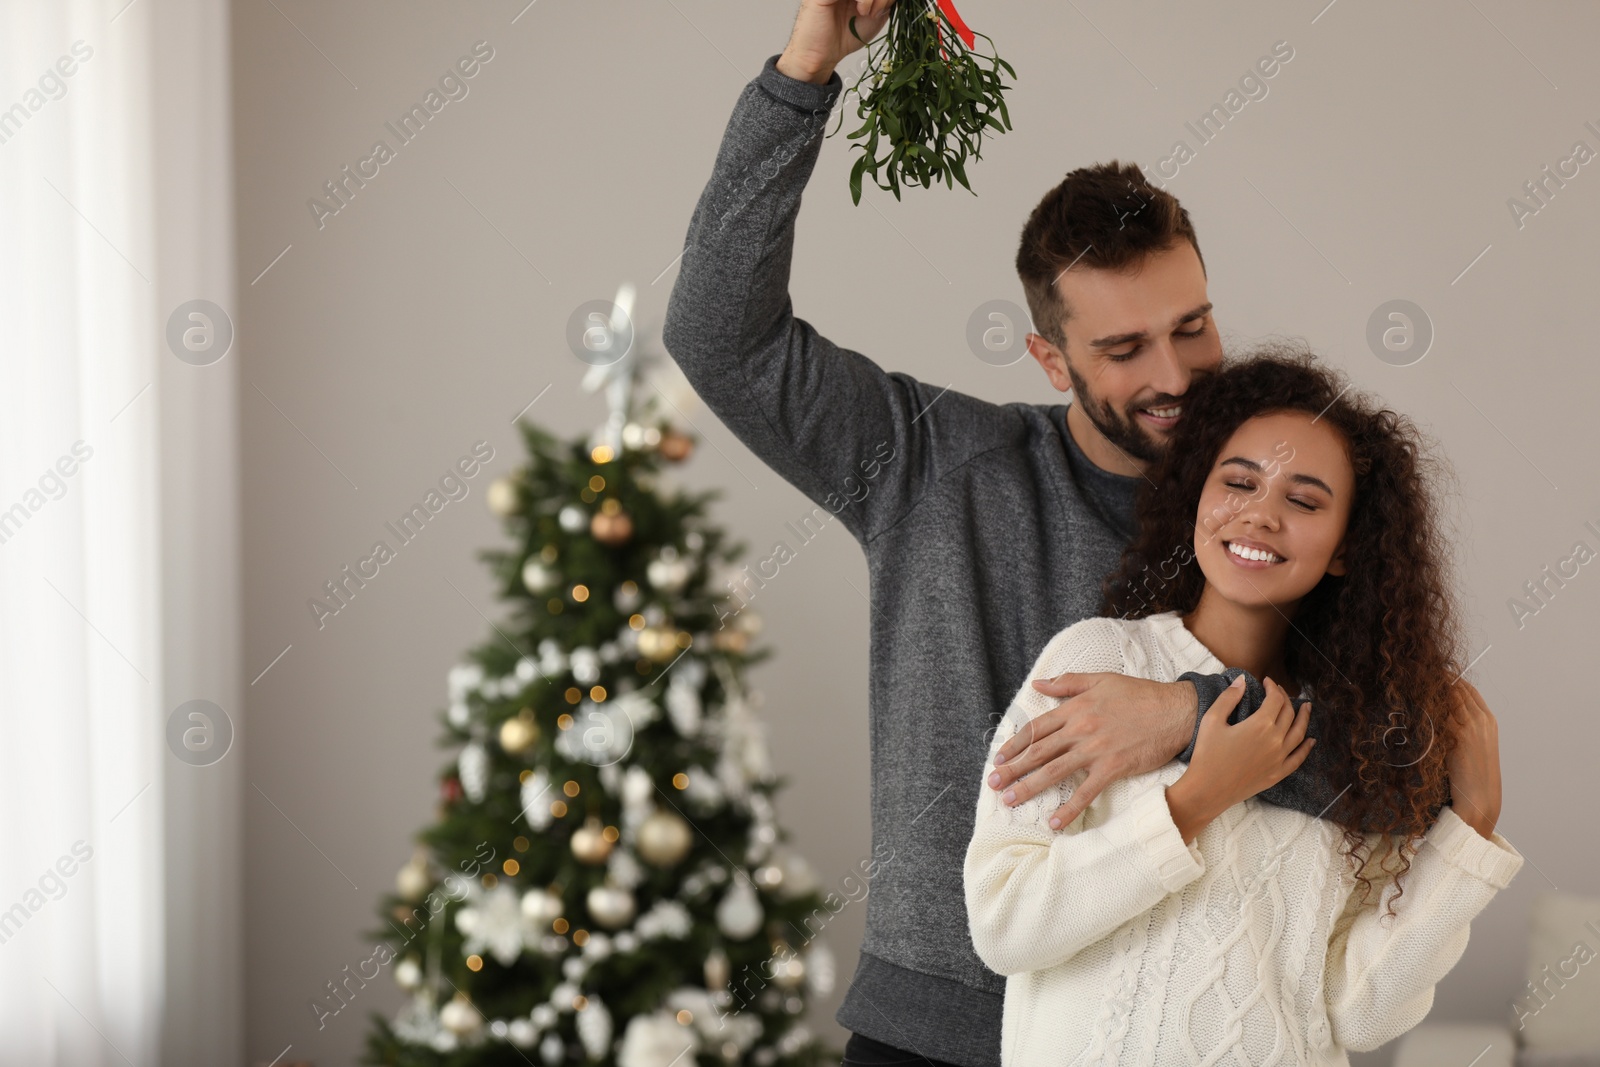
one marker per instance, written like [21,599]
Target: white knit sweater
[1122,945]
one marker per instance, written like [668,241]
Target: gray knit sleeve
[848,434]
[1309,789]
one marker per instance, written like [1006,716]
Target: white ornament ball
[610,906]
[536,577]
[657,1040]
[551,1049]
[585,664]
[739,914]
[541,907]
[668,572]
[572,519]
[798,876]
[521,1033]
[502,496]
[407,974]
[552,660]
[622,868]
[626,596]
[459,1016]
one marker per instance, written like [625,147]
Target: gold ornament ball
[664,838]
[717,967]
[611,525]
[769,877]
[589,843]
[502,496]
[414,879]
[519,733]
[659,643]
[675,446]
[730,640]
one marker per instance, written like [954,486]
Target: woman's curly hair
[1379,647]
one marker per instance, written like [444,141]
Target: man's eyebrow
[1298,479]
[1141,335]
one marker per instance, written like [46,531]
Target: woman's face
[1273,510]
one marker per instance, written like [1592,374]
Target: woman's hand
[1232,763]
[1474,764]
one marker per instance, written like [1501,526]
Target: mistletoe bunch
[930,100]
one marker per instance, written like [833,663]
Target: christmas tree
[606,881]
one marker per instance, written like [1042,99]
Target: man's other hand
[1111,724]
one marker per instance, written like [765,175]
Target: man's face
[1135,340]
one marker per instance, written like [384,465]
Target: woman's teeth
[1253,553]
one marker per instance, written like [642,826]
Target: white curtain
[119,862]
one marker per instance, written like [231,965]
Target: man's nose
[1172,374]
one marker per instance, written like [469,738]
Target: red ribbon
[949,9]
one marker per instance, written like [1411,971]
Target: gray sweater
[986,531]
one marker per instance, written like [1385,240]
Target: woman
[1290,532]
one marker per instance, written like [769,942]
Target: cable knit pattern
[1123,945]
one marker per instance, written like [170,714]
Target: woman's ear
[1336,565]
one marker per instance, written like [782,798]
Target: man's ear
[1336,565]
[1050,358]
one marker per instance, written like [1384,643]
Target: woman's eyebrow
[1298,479]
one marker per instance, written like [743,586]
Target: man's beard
[1123,432]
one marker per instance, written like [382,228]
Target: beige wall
[427,312]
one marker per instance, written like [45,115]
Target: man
[987,528]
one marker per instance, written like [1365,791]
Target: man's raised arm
[830,421]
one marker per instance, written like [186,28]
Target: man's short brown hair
[1103,217]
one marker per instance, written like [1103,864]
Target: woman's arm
[1381,972]
[1036,896]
